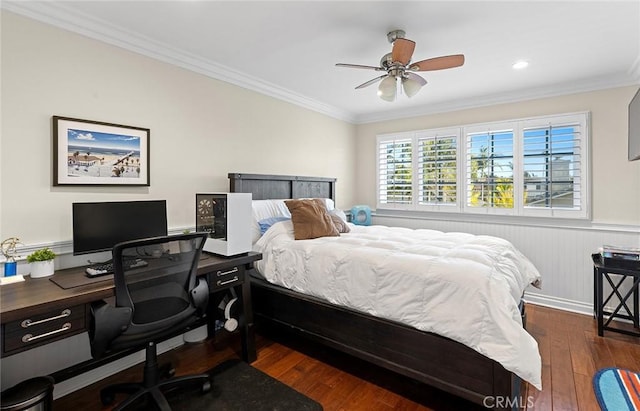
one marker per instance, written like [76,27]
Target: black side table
[602,272]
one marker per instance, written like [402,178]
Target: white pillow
[263,209]
[339,213]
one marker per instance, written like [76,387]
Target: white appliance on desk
[227,219]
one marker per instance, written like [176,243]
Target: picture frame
[90,153]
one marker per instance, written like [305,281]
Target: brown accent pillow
[311,219]
[340,224]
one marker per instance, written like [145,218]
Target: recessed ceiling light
[520,64]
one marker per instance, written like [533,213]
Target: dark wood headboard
[270,186]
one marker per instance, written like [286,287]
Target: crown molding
[557,90]
[56,14]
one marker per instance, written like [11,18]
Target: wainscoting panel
[561,254]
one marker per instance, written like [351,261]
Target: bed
[425,356]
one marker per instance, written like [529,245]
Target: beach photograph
[102,155]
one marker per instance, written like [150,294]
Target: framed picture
[95,153]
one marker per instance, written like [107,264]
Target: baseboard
[83,380]
[559,303]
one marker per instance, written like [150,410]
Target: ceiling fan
[399,68]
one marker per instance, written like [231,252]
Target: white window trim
[519,210]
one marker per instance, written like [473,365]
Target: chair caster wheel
[107,398]
[206,387]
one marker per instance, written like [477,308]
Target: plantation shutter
[438,168]
[395,171]
[489,169]
[553,163]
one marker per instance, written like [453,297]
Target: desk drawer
[44,328]
[221,279]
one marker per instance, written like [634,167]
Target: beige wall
[615,181]
[201,129]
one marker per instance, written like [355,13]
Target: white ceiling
[288,49]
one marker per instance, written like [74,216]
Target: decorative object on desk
[617,389]
[361,215]
[97,153]
[41,263]
[227,219]
[8,250]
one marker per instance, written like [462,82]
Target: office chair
[152,303]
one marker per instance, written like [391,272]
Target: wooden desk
[38,311]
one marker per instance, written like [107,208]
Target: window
[530,167]
[430,156]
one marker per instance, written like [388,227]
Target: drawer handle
[233,280]
[28,323]
[29,337]
[221,273]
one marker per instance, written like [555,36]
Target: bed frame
[432,359]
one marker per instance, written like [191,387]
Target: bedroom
[196,121]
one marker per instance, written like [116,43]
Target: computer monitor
[99,226]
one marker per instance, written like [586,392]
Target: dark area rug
[237,386]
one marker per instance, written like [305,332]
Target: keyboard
[99,269]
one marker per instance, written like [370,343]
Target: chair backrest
[158,286]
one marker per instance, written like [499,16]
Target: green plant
[186,231]
[44,254]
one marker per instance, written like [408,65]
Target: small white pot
[186,246]
[41,269]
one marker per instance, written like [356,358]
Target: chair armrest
[107,323]
[200,295]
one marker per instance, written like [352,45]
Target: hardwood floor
[569,345]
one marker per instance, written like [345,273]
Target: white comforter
[461,286]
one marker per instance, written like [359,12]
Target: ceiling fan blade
[370,82]
[416,78]
[438,63]
[402,50]
[360,66]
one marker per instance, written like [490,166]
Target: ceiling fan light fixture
[388,88]
[411,86]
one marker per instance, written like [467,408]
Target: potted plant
[41,262]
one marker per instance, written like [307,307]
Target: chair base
[152,384]
[138,390]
